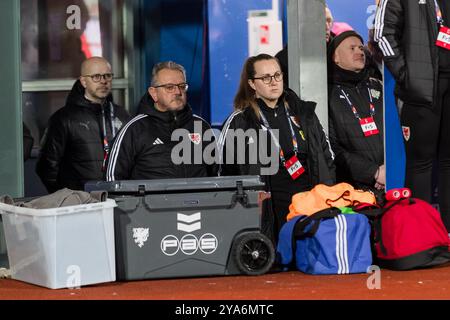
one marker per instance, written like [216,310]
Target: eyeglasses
[170,88]
[99,77]
[267,79]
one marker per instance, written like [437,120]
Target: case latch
[240,195]
[141,190]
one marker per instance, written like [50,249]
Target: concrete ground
[424,284]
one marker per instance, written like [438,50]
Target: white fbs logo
[189,244]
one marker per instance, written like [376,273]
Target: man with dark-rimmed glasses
[145,148]
[79,135]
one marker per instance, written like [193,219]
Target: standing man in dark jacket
[415,43]
[166,140]
[79,135]
[355,109]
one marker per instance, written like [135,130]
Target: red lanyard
[352,106]
[277,143]
[106,146]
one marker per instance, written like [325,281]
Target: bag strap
[301,224]
[298,231]
[396,202]
[368,209]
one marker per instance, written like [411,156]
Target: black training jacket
[406,32]
[357,157]
[143,148]
[320,156]
[72,151]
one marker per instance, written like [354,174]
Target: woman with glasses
[281,139]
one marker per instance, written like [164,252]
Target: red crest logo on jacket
[406,132]
[196,138]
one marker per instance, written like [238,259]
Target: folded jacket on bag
[322,197]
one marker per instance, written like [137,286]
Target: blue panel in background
[359,14]
[176,32]
[395,151]
[228,49]
[182,41]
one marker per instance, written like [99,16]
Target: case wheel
[253,253]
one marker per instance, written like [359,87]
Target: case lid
[177,185]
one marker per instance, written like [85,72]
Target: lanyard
[440,18]
[106,146]
[355,112]
[277,143]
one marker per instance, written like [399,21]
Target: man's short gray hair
[166,65]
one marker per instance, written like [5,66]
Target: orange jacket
[323,197]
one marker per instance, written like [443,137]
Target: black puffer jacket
[72,151]
[406,31]
[319,158]
[357,157]
[143,148]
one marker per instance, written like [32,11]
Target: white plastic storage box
[63,247]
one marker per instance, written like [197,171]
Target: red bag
[409,234]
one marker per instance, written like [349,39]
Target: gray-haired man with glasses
[146,147]
[79,135]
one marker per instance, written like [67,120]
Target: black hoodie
[72,151]
[143,148]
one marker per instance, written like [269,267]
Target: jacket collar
[177,118]
[76,98]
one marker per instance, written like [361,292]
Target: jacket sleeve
[213,168]
[52,152]
[359,168]
[121,158]
[327,152]
[228,158]
[389,23]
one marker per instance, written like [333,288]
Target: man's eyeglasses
[267,79]
[170,88]
[99,77]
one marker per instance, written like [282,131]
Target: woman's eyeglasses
[267,79]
